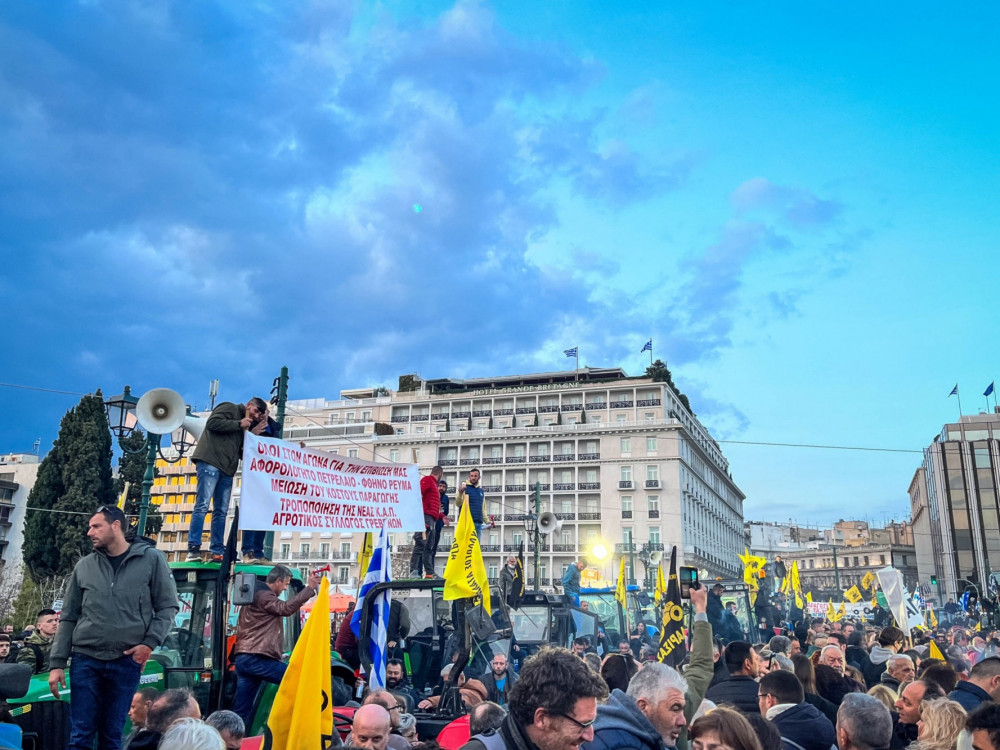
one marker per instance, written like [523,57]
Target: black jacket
[620,724]
[805,725]
[493,692]
[902,734]
[739,690]
[511,735]
[969,695]
[829,710]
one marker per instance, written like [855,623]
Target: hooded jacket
[620,724]
[106,613]
[877,660]
[221,445]
[806,725]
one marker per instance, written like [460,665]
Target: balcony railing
[624,547]
[621,404]
[492,488]
[652,484]
[525,410]
[490,547]
[342,555]
[648,402]
[590,516]
[502,412]
[597,405]
[511,547]
[420,418]
[483,413]
[564,486]
[654,513]
[564,548]
[625,484]
[544,487]
[539,458]
[566,516]
[514,488]
[404,418]
[493,460]
[469,461]
[460,415]
[513,516]
[590,485]
[572,407]
[654,546]
[564,457]
[589,456]
[626,514]
[447,462]
[548,409]
[515,459]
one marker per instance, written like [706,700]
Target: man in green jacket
[35,652]
[216,457]
[701,661]
[120,604]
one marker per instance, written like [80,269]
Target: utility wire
[43,390]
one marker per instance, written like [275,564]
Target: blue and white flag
[989,389]
[572,352]
[379,571]
[647,347]
[954,391]
[965,601]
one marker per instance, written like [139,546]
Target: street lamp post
[120,412]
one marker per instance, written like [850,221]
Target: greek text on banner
[288,488]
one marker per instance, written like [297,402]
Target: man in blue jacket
[571,581]
[782,701]
[741,689]
[470,492]
[983,685]
[648,716]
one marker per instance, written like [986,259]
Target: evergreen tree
[132,469]
[74,479]
[659,373]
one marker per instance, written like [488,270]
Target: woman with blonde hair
[940,722]
[885,695]
[723,726]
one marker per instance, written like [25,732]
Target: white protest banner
[890,581]
[288,488]
[914,617]
[854,611]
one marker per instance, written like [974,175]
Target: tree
[660,374]
[74,480]
[132,469]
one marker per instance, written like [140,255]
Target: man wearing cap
[37,645]
[120,604]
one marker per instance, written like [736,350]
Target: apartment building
[18,472]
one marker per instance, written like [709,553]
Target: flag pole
[650,351]
[959,395]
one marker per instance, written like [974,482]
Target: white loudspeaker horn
[194,425]
[547,523]
[655,557]
[160,411]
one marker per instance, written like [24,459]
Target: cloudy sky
[797,202]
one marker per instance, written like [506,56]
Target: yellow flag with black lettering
[301,717]
[661,585]
[853,595]
[673,645]
[621,588]
[465,574]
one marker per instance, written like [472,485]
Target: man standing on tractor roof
[260,636]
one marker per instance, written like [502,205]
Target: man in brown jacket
[260,637]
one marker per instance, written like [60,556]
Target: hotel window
[349,417]
[654,534]
[492,571]
[653,472]
[304,550]
[343,574]
[394,455]
[286,551]
[352,453]
[626,473]
[651,445]
[626,445]
[654,502]
[626,502]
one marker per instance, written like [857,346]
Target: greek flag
[954,391]
[647,347]
[379,571]
[989,389]
[571,352]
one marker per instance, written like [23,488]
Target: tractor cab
[602,602]
[738,593]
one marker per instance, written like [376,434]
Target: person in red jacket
[424,543]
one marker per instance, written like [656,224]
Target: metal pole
[279,417]
[631,563]
[152,444]
[836,570]
[535,535]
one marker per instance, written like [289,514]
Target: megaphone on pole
[655,557]
[548,523]
[160,411]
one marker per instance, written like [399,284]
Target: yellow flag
[868,581]
[934,652]
[465,573]
[830,612]
[842,611]
[853,595]
[874,599]
[978,627]
[302,715]
[364,557]
[932,618]
[661,585]
[809,597]
[621,588]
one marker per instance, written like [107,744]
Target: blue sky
[796,202]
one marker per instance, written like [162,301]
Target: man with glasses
[129,608]
[553,706]
[782,700]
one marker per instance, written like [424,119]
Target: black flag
[517,585]
[673,646]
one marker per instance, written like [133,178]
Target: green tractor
[194,655]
